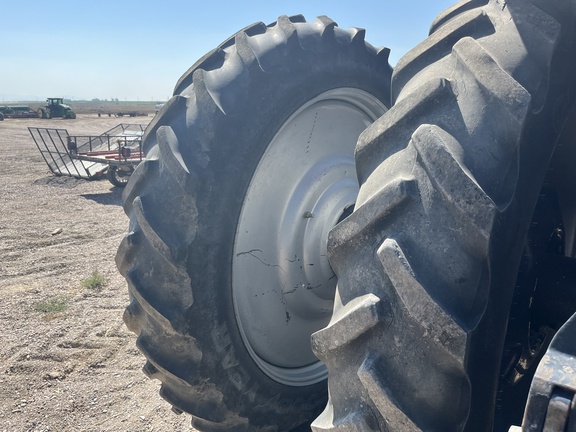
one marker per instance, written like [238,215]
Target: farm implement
[17,111]
[115,152]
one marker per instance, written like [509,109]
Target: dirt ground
[67,361]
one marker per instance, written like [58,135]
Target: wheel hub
[283,285]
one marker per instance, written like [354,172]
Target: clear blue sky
[137,50]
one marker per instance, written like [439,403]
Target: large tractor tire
[441,242]
[247,169]
[41,113]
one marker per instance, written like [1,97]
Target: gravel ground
[67,361]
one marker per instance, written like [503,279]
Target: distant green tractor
[56,107]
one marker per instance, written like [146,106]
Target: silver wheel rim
[282,283]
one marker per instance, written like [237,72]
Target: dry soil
[74,369]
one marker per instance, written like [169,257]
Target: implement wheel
[119,175]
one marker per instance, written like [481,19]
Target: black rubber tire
[184,201]
[449,176]
[118,177]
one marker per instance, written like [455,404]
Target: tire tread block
[377,392]
[436,324]
[456,184]
[353,422]
[355,319]
[453,11]
[438,45]
[390,132]
[378,208]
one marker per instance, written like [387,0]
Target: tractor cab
[55,101]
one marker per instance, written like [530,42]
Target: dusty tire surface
[213,171]
[450,176]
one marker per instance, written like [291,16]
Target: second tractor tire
[428,263]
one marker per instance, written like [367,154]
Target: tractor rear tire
[247,169]
[428,261]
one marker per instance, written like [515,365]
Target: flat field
[67,361]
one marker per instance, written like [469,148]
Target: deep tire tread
[381,398]
[143,172]
[454,11]
[358,317]
[353,229]
[439,45]
[456,184]
[416,285]
[436,325]
[374,143]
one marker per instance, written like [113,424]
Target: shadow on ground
[64,182]
[113,197]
